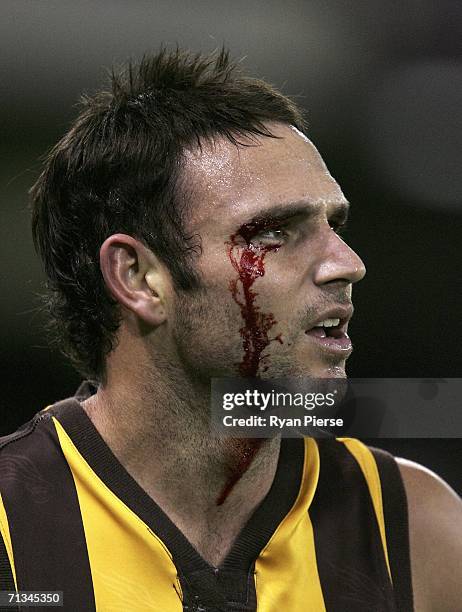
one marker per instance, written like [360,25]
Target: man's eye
[270,236]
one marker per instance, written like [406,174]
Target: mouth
[329,333]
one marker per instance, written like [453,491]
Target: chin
[336,372]
[305,369]
[328,371]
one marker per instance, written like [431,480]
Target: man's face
[272,265]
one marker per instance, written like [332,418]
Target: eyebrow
[339,211]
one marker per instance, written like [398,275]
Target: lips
[344,313]
[334,340]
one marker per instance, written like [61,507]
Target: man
[189,229]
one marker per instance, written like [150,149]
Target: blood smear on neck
[244,451]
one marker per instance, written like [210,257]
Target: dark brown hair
[117,169]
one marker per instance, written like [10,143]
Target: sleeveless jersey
[331,534]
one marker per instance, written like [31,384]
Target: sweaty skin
[153,409]
[247,257]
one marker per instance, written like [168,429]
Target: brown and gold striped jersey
[331,535]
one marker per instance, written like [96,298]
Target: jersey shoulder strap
[396,526]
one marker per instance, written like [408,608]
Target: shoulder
[435,534]
[28,457]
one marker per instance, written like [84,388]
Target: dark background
[382,82]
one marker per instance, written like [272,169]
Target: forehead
[232,181]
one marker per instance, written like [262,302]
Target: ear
[135,277]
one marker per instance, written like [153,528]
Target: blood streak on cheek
[249,262]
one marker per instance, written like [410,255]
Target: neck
[159,431]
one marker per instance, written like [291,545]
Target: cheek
[282,292]
[213,265]
[206,336]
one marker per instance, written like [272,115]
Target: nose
[338,262]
